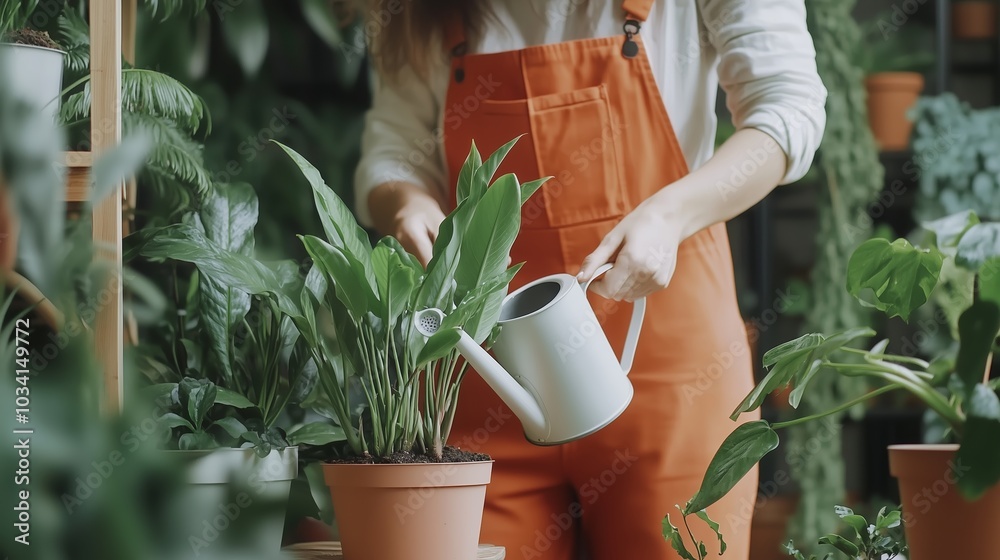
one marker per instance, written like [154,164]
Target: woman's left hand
[643,248]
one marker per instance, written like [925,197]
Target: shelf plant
[897,278]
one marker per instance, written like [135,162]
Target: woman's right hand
[410,214]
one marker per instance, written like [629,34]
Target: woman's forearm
[742,172]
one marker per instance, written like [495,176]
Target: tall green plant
[372,294]
[850,177]
[896,278]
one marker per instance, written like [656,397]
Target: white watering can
[554,366]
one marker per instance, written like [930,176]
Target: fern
[74,35]
[175,155]
[147,92]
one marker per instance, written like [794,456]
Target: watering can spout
[520,401]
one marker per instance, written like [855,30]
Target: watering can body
[554,366]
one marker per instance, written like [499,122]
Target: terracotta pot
[424,511]
[976,19]
[939,522]
[890,96]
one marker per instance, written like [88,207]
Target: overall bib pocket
[578,137]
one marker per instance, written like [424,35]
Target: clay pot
[422,511]
[890,96]
[976,19]
[939,522]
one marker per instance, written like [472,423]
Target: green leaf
[978,459]
[347,277]
[800,386]
[673,535]
[947,231]
[978,327]
[841,544]
[172,420]
[793,348]
[342,230]
[183,242]
[989,281]
[528,189]
[492,231]
[467,174]
[438,345]
[739,453]
[890,520]
[198,396]
[900,275]
[226,397]
[229,214]
[246,32]
[197,441]
[703,515]
[485,172]
[231,426]
[316,433]
[980,244]
[479,310]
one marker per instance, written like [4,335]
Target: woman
[616,100]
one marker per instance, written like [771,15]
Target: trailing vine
[850,177]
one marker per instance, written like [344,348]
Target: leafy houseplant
[897,278]
[409,385]
[880,540]
[34,61]
[957,154]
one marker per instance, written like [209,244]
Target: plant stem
[835,410]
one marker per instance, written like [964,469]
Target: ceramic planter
[235,497]
[423,511]
[890,96]
[939,522]
[974,19]
[35,75]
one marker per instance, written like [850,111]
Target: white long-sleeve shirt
[759,51]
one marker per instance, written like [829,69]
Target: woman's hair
[407,32]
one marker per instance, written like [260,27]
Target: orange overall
[595,121]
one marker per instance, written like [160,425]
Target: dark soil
[451,455]
[32,38]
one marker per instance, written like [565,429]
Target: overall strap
[638,9]
[454,39]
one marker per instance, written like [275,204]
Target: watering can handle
[634,326]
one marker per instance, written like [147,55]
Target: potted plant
[232,363]
[33,60]
[893,66]
[958,155]
[398,489]
[881,540]
[974,19]
[949,492]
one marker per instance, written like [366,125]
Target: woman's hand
[643,247]
[646,241]
[408,213]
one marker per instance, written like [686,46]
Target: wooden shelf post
[105,133]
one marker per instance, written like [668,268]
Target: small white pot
[34,74]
